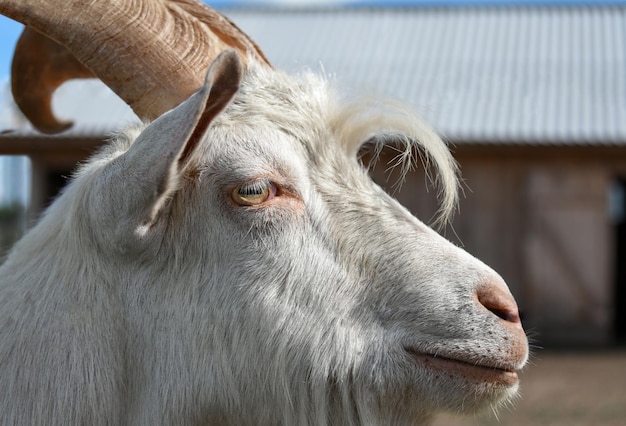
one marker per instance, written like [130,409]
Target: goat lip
[475,372]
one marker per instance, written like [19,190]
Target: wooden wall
[53,160]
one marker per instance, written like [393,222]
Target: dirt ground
[564,388]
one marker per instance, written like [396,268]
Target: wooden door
[568,254]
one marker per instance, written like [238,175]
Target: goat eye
[254,193]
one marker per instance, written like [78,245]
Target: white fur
[296,312]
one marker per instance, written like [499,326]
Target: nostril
[507,315]
[498,301]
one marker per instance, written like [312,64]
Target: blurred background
[531,97]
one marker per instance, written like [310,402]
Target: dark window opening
[618,213]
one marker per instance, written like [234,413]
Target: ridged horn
[152,53]
[40,65]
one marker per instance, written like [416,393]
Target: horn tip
[51,128]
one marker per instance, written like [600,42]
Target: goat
[231,262]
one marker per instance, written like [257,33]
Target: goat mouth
[448,367]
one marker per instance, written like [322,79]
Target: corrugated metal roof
[534,74]
[501,75]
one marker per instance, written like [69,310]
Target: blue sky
[10,30]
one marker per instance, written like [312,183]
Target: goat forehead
[277,118]
[297,105]
[242,153]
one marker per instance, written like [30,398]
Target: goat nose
[495,296]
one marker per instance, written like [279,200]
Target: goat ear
[168,142]
[153,165]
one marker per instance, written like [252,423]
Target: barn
[532,100]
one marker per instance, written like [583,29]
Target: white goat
[234,264]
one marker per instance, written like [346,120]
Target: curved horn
[153,53]
[40,66]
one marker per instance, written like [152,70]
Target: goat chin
[149,294]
